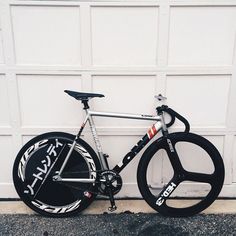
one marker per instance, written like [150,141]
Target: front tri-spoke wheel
[180,175]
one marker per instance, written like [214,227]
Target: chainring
[111,178]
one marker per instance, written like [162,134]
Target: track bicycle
[58,174]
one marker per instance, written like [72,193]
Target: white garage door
[128,50]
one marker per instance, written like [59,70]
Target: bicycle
[58,174]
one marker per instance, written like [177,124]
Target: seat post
[85,102]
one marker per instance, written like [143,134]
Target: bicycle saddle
[83,96]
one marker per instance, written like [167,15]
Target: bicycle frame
[159,125]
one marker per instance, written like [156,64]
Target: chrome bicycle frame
[159,125]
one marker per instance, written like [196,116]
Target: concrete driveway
[117,224]
[218,219]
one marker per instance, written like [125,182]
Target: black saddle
[83,96]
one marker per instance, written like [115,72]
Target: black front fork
[170,145]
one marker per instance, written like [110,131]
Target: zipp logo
[166,194]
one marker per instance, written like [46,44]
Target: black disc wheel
[180,175]
[40,160]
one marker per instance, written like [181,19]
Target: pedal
[112,208]
[88,194]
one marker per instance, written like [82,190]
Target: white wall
[128,50]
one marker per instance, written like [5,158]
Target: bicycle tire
[40,159]
[161,201]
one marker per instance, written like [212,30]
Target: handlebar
[172,121]
[173,114]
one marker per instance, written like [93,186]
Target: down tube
[138,147]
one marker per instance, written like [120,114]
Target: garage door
[128,50]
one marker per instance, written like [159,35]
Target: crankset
[108,184]
[109,180]
[110,176]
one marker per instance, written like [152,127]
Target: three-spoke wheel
[180,175]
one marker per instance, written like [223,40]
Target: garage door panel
[44,103]
[129,39]
[7,159]
[46,35]
[233,155]
[26,138]
[202,99]
[117,147]
[202,35]
[125,94]
[4,102]
[1,47]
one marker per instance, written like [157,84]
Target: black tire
[40,159]
[163,200]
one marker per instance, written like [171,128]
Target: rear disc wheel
[40,160]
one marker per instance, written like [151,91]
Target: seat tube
[73,144]
[104,164]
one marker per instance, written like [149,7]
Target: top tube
[124,115]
